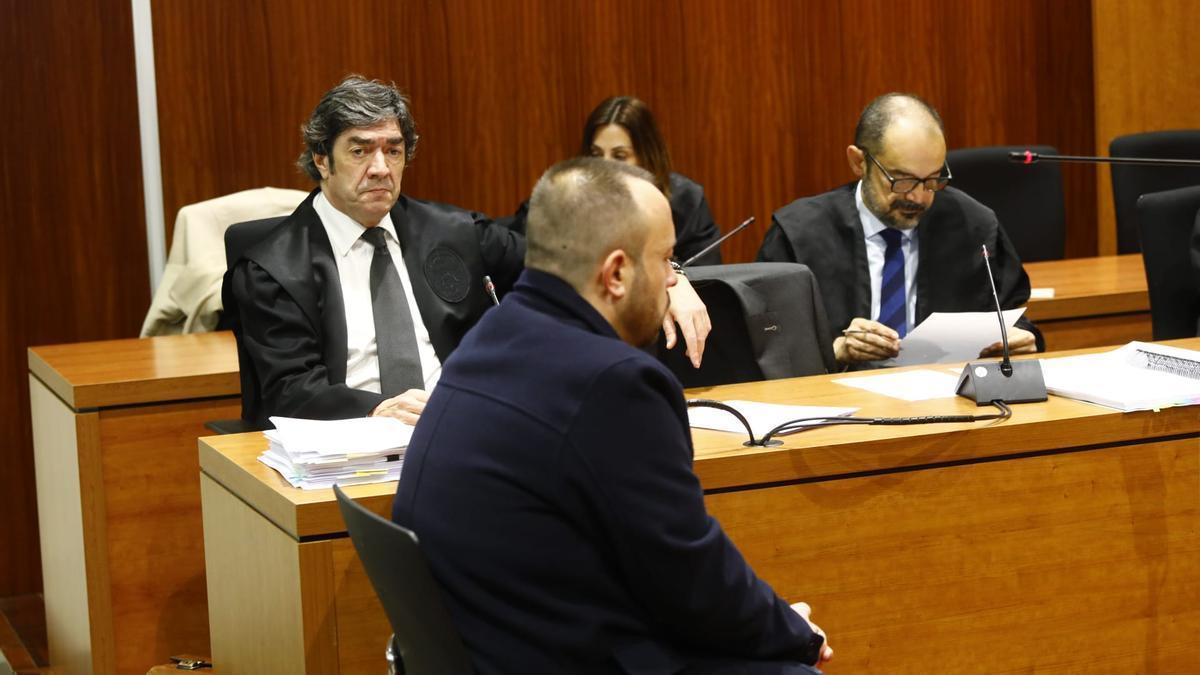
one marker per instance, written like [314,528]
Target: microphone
[1027,157]
[986,382]
[706,249]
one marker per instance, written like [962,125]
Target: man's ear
[322,164]
[857,160]
[616,274]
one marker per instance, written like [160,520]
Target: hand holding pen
[866,340]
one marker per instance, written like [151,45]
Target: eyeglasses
[906,185]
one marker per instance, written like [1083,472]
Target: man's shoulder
[556,366]
[286,244]
[427,210]
[825,209]
[962,212]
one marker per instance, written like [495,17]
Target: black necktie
[395,339]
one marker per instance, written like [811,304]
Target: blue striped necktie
[893,309]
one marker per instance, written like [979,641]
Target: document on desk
[313,454]
[948,337]
[911,385]
[1138,376]
[762,417]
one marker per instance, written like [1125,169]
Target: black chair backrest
[1027,198]
[1131,182]
[427,640]
[240,238]
[1166,221]
[768,322]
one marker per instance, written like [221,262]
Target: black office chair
[768,322]
[238,239]
[1027,199]
[1131,182]
[425,640]
[1166,222]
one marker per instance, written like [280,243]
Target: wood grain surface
[757,100]
[932,548]
[122,372]
[71,219]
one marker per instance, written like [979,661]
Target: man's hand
[805,611]
[692,316]
[1020,341]
[406,407]
[866,340]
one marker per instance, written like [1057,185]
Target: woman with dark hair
[622,129]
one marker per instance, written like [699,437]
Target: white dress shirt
[353,256]
[877,247]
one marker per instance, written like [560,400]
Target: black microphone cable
[792,426]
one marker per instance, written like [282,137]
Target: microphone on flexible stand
[988,381]
[1027,157]
[706,249]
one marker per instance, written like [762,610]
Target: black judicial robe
[550,482]
[289,301]
[694,224]
[824,232]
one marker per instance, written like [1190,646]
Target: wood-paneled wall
[757,99]
[1145,78]
[73,257]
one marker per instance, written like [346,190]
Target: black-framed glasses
[906,185]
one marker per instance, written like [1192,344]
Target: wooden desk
[1065,539]
[1097,301]
[287,593]
[114,428]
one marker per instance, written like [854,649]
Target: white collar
[343,230]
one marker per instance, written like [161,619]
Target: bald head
[583,209]
[897,115]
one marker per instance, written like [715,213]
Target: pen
[491,289]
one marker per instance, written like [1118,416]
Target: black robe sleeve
[285,352]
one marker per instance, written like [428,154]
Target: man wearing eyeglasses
[898,244]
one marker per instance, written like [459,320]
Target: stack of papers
[313,454]
[1138,376]
[763,417]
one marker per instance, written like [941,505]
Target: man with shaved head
[898,244]
[550,476]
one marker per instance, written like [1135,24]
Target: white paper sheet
[356,436]
[946,337]
[1119,379]
[913,385]
[763,417]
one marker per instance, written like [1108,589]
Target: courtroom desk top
[722,462]
[232,461]
[139,370]
[1089,287]
[177,367]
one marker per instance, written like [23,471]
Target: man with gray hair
[350,306]
[550,477]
